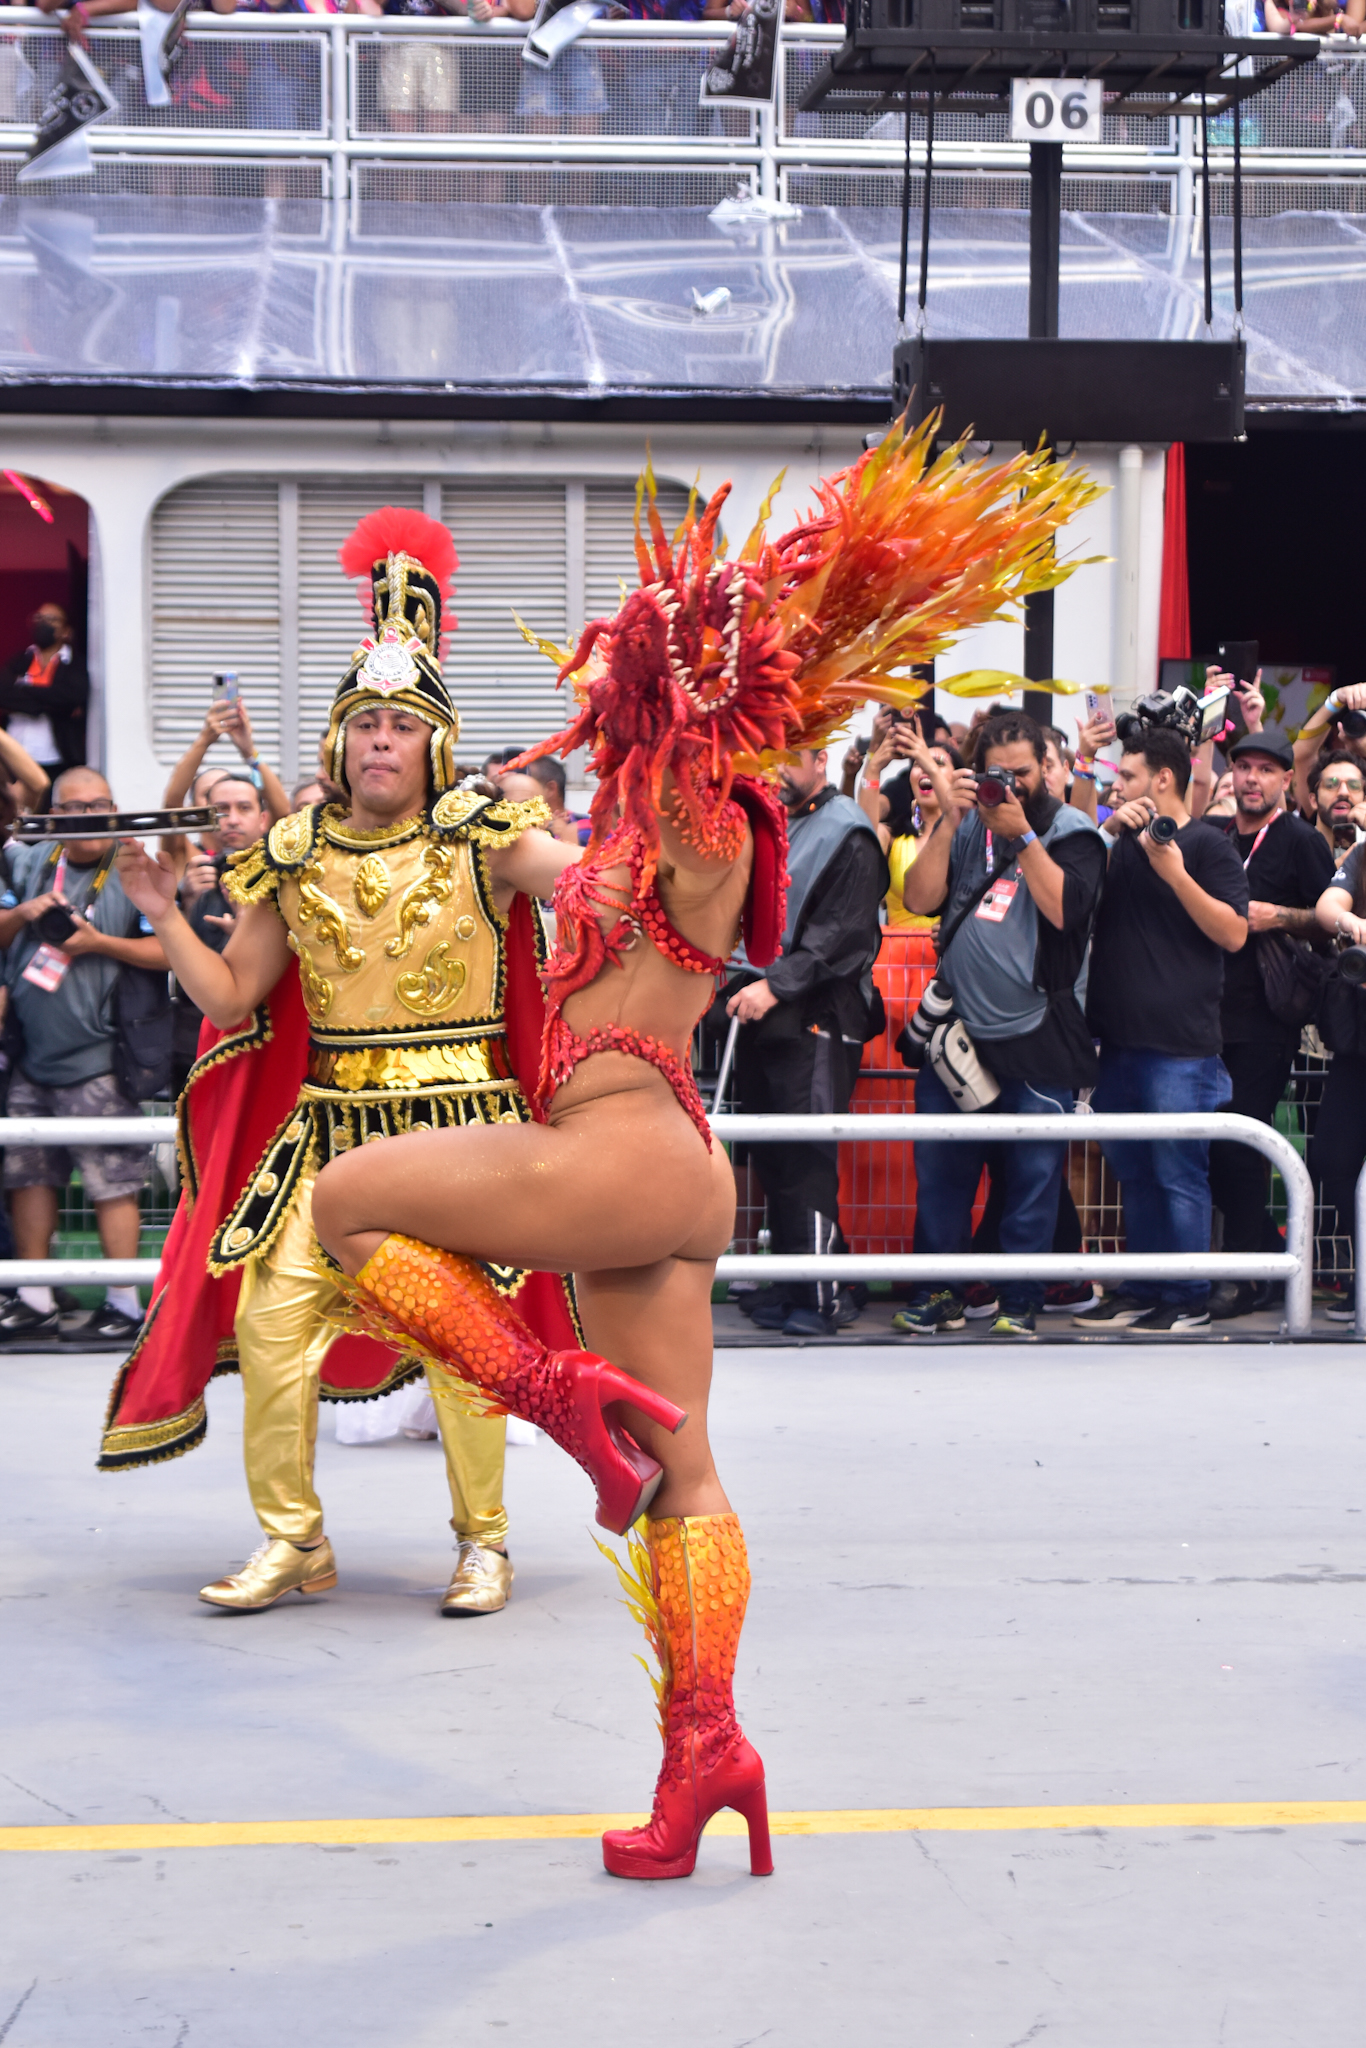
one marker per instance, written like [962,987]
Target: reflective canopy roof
[601,299]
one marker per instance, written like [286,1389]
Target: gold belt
[398,1069]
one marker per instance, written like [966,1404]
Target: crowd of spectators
[1139,933]
[1135,933]
[417,89]
[418,85]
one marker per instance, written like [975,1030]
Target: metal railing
[335,98]
[1294,1265]
[83,1130]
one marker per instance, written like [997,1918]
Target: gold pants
[283,1336]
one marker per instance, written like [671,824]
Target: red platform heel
[686,1798]
[694,1600]
[449,1306]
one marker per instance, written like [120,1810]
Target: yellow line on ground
[559,1827]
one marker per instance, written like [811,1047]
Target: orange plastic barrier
[877,1181]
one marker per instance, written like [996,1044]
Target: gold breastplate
[401,959]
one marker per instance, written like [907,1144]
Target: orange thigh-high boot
[449,1305]
[699,1579]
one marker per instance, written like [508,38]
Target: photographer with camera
[1017,876]
[242,820]
[1270,990]
[69,931]
[1175,903]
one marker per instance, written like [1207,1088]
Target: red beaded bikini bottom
[564,1050]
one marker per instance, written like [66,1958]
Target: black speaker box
[1075,390]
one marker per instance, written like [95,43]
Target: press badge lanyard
[1258,840]
[106,865]
[994,904]
[49,966]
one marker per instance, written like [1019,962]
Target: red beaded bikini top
[583,948]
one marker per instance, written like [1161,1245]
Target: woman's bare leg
[623,1176]
[655,1323]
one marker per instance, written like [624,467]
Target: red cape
[241,1089]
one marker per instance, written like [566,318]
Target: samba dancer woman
[709,668]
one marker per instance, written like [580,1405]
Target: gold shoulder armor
[487,821]
[452,810]
[290,843]
[250,877]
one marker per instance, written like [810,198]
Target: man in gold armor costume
[403,916]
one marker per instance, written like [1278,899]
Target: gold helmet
[410,561]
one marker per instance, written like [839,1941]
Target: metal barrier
[83,1130]
[1294,1265]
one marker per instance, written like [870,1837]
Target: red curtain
[1174,616]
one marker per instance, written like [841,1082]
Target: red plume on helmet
[394,530]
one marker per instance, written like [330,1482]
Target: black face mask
[44,633]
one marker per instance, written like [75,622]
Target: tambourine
[41,827]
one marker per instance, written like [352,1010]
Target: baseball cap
[1273,744]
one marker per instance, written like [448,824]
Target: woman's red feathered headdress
[715,666]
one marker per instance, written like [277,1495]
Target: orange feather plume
[713,666]
[906,553]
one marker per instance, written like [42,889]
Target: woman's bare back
[647,992]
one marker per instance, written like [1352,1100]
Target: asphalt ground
[1005,1599]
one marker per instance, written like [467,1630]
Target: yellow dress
[901,858]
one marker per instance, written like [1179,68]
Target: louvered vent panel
[215,605]
[331,623]
[609,540]
[511,542]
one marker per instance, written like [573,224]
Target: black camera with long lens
[1352,965]
[994,785]
[934,1007]
[1162,830]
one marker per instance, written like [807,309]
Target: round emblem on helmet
[389,666]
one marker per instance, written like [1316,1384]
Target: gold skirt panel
[322,1126]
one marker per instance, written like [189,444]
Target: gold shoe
[481,1582]
[272,1571]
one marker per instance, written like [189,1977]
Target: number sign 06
[1055,110]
